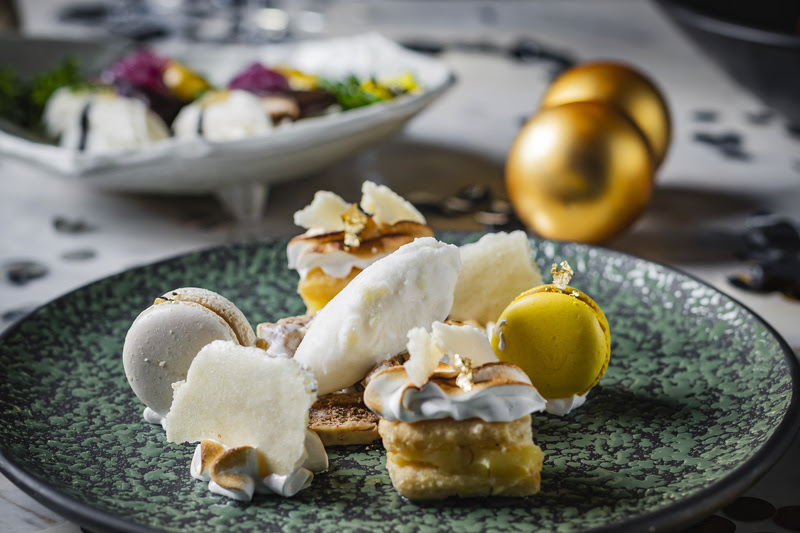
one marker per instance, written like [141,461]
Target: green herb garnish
[22,101]
[349,93]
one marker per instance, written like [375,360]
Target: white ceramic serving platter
[196,166]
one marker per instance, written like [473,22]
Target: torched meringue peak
[237,472]
[500,392]
[392,221]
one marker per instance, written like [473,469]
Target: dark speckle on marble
[705,115]
[63,224]
[713,524]
[748,509]
[729,144]
[788,517]
[12,315]
[760,118]
[80,254]
[23,271]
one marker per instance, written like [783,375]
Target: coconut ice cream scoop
[368,321]
[164,339]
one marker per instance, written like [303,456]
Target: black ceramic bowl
[756,42]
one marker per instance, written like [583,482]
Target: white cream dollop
[562,406]
[501,393]
[505,404]
[248,480]
[337,263]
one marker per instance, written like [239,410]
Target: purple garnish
[259,80]
[143,69]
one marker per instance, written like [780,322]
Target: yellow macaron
[558,336]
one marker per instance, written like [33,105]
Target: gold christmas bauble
[623,86]
[580,172]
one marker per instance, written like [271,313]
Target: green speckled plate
[699,400]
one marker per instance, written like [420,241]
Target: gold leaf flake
[465,379]
[354,223]
[562,275]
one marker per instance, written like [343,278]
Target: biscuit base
[435,459]
[342,419]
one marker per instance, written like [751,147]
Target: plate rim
[682,513]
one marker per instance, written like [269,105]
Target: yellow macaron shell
[559,338]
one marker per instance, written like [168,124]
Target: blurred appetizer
[101,121]
[223,116]
[342,239]
[145,97]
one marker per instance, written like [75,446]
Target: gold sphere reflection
[623,86]
[580,171]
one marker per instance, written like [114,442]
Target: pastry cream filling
[497,462]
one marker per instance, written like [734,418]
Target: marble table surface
[700,208]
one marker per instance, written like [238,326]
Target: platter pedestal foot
[246,202]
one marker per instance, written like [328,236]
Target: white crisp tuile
[496,269]
[323,214]
[427,349]
[368,321]
[464,340]
[242,397]
[387,206]
[424,356]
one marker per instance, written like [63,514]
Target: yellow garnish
[185,83]
[354,223]
[465,379]
[299,81]
[373,87]
[561,276]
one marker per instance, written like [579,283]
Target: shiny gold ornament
[624,87]
[580,171]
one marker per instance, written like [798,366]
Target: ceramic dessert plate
[699,400]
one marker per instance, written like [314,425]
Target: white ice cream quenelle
[243,398]
[164,339]
[368,321]
[223,116]
[496,269]
[426,386]
[101,121]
